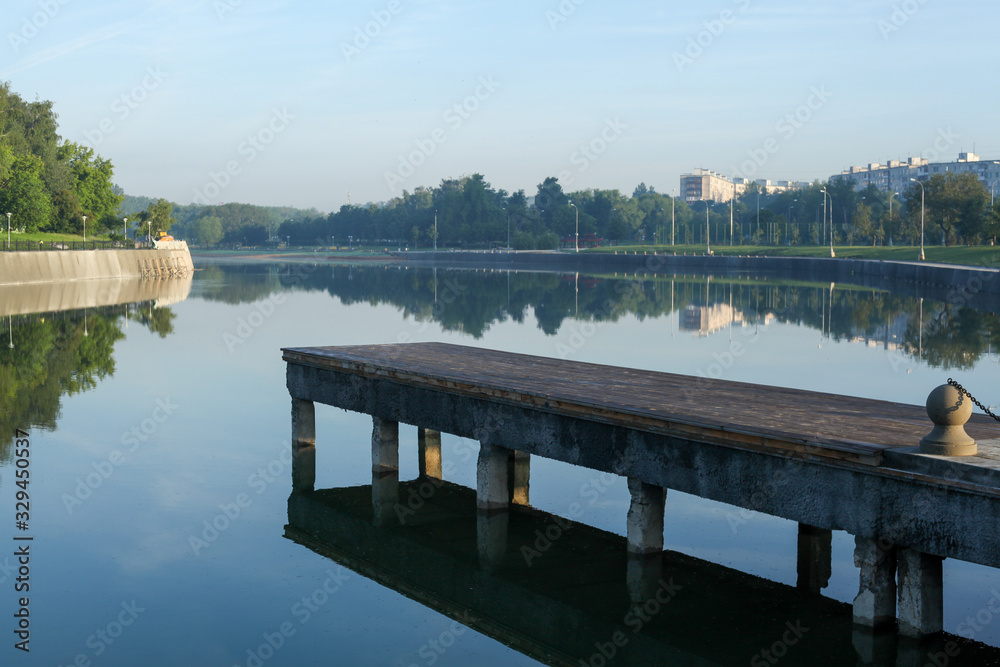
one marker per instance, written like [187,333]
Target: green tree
[160,214]
[92,182]
[956,203]
[25,196]
[207,231]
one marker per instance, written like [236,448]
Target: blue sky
[292,103]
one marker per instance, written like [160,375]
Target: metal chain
[965,391]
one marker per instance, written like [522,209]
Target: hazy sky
[295,103]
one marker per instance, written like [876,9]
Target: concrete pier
[788,453]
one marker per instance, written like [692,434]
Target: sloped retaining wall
[66,265]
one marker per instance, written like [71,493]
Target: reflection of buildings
[704,320]
[889,336]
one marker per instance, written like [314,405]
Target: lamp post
[921,217]
[825,195]
[576,243]
[708,247]
[788,219]
[8,231]
[673,204]
[85,229]
[125,229]
[149,231]
[436,230]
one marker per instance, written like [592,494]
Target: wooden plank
[760,417]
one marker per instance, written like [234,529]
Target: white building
[896,175]
[707,184]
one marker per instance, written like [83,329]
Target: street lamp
[921,217]
[576,243]
[825,195]
[125,229]
[436,230]
[708,247]
[8,231]
[149,231]
[788,219]
[84,229]
[673,203]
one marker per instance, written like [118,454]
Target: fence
[23,246]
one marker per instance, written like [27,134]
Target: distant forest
[51,185]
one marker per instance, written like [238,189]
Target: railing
[25,246]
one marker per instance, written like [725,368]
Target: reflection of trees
[57,354]
[473,301]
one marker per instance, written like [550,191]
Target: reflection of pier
[563,592]
[828,462]
[73,295]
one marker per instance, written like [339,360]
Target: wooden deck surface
[759,417]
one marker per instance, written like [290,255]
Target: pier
[826,461]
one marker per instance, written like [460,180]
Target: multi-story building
[707,184]
[896,175]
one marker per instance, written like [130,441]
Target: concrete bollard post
[875,604]
[385,444]
[814,558]
[921,593]
[949,409]
[519,475]
[429,453]
[492,491]
[303,422]
[645,517]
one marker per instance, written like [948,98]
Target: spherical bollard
[949,409]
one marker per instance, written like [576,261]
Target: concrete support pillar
[385,497]
[874,649]
[921,593]
[303,467]
[429,453]
[645,517]
[518,475]
[303,422]
[385,445]
[814,558]
[875,605]
[491,538]
[491,478]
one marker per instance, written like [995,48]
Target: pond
[160,474]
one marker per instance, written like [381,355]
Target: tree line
[469,212]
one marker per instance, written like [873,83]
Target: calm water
[150,423]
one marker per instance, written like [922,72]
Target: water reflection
[940,334]
[61,339]
[565,593]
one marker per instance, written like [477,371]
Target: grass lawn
[969,255]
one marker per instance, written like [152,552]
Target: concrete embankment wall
[18,268]
[959,285]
